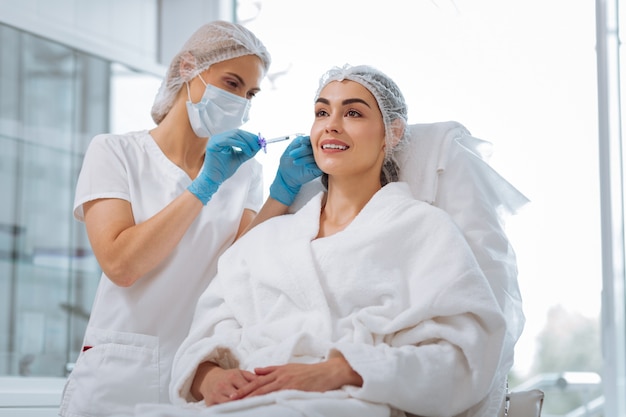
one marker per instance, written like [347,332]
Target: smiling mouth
[334,146]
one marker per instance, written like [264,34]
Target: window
[53,100]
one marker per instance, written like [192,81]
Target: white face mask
[217,111]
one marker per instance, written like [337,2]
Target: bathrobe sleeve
[212,317]
[232,304]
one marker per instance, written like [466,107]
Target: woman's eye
[353,113]
[321,113]
[232,84]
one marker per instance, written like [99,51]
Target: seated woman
[365,302]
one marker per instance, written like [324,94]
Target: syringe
[263,142]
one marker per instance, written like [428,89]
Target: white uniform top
[133,332]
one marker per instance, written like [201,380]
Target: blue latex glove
[297,166]
[225,152]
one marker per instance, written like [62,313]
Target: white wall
[119,30]
[139,33]
[178,19]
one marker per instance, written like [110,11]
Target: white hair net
[387,94]
[213,42]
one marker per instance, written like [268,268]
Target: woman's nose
[333,124]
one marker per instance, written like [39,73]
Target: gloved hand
[297,166]
[225,152]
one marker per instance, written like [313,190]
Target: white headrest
[440,150]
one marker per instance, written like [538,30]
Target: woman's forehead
[346,89]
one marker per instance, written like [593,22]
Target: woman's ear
[397,131]
[187,66]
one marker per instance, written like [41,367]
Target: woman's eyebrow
[345,102]
[241,81]
[354,100]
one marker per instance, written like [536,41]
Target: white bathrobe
[398,293]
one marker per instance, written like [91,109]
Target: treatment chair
[447,167]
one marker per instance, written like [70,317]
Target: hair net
[213,42]
[387,94]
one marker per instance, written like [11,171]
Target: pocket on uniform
[115,371]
